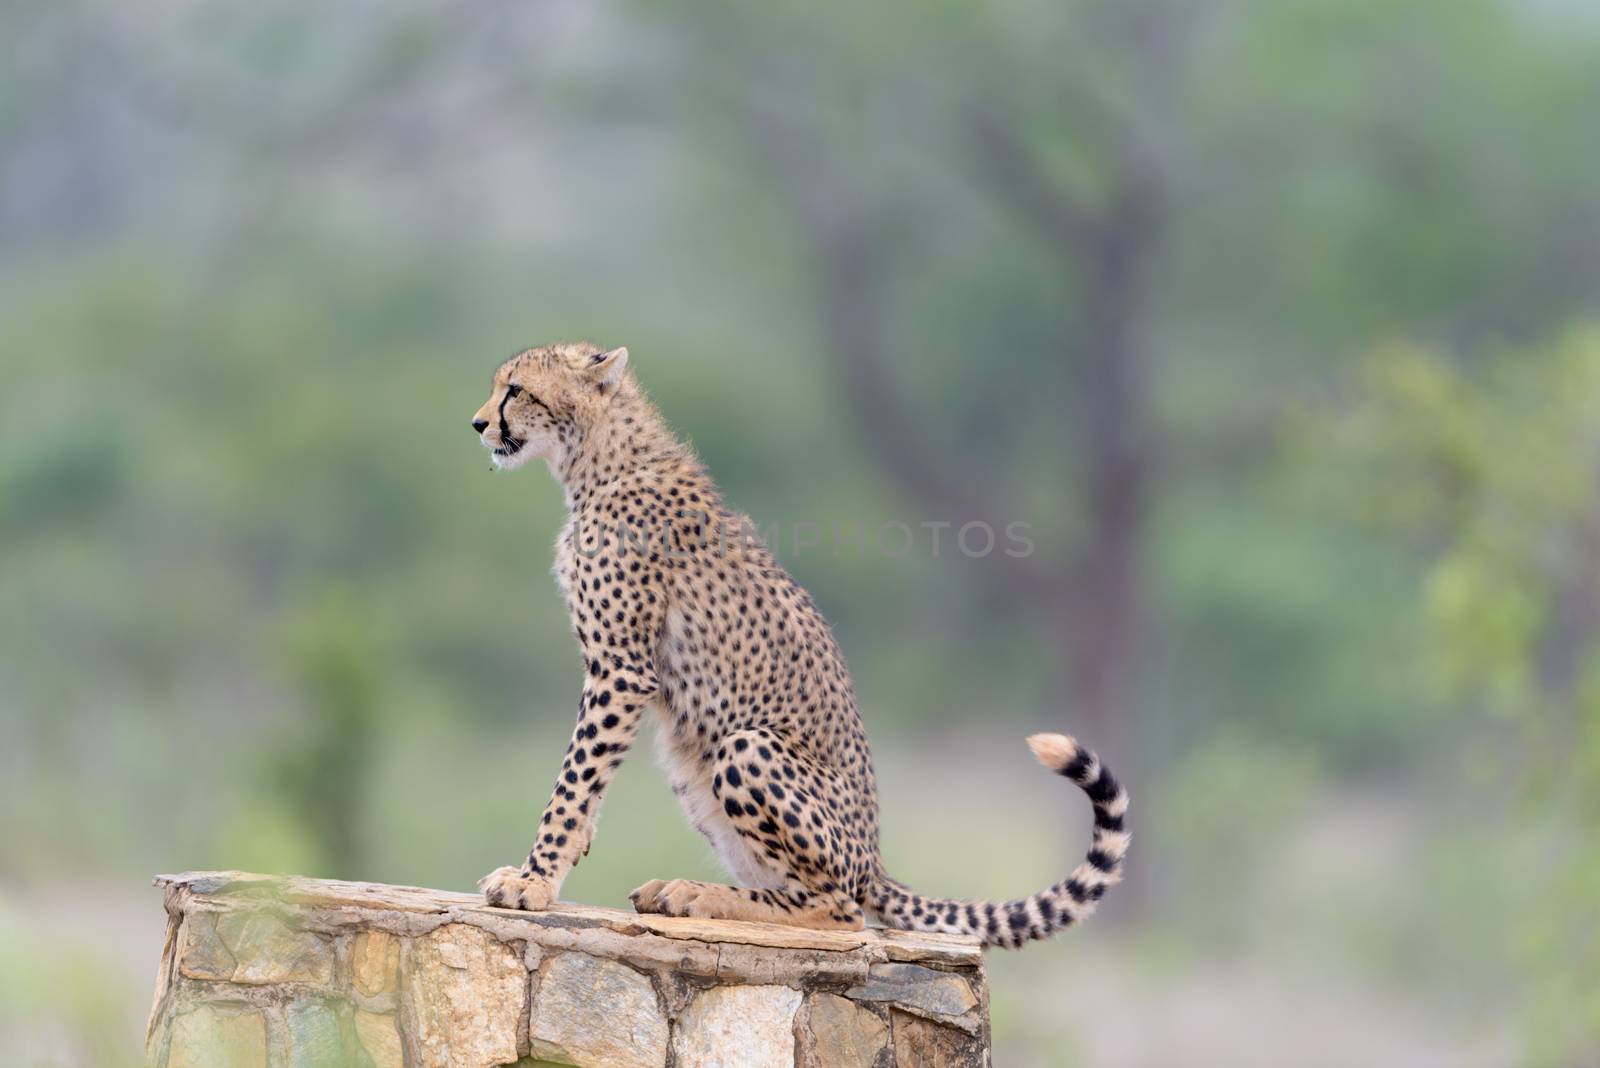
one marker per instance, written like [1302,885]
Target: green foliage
[64,984]
[1497,470]
[262,603]
[321,768]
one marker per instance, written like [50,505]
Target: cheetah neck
[632,438]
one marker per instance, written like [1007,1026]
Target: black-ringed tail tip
[1013,923]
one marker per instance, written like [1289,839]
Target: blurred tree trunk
[1105,247]
[1107,611]
[1094,600]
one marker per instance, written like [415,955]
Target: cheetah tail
[1013,923]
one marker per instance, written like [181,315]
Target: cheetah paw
[511,888]
[673,897]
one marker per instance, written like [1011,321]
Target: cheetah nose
[480,425]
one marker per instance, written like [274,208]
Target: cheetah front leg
[609,712]
[783,807]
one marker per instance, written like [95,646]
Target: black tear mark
[505,429]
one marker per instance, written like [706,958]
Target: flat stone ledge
[286,971]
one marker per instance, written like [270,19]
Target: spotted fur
[683,617]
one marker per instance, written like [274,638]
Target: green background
[1277,321]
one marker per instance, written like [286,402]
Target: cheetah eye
[513,390]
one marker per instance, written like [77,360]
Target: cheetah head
[542,400]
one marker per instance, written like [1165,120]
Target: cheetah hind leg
[773,803]
[794,906]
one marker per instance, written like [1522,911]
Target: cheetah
[755,715]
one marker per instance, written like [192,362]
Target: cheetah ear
[605,369]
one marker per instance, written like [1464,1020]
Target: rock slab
[738,1027]
[283,972]
[597,1012]
[466,991]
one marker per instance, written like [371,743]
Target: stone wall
[262,972]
